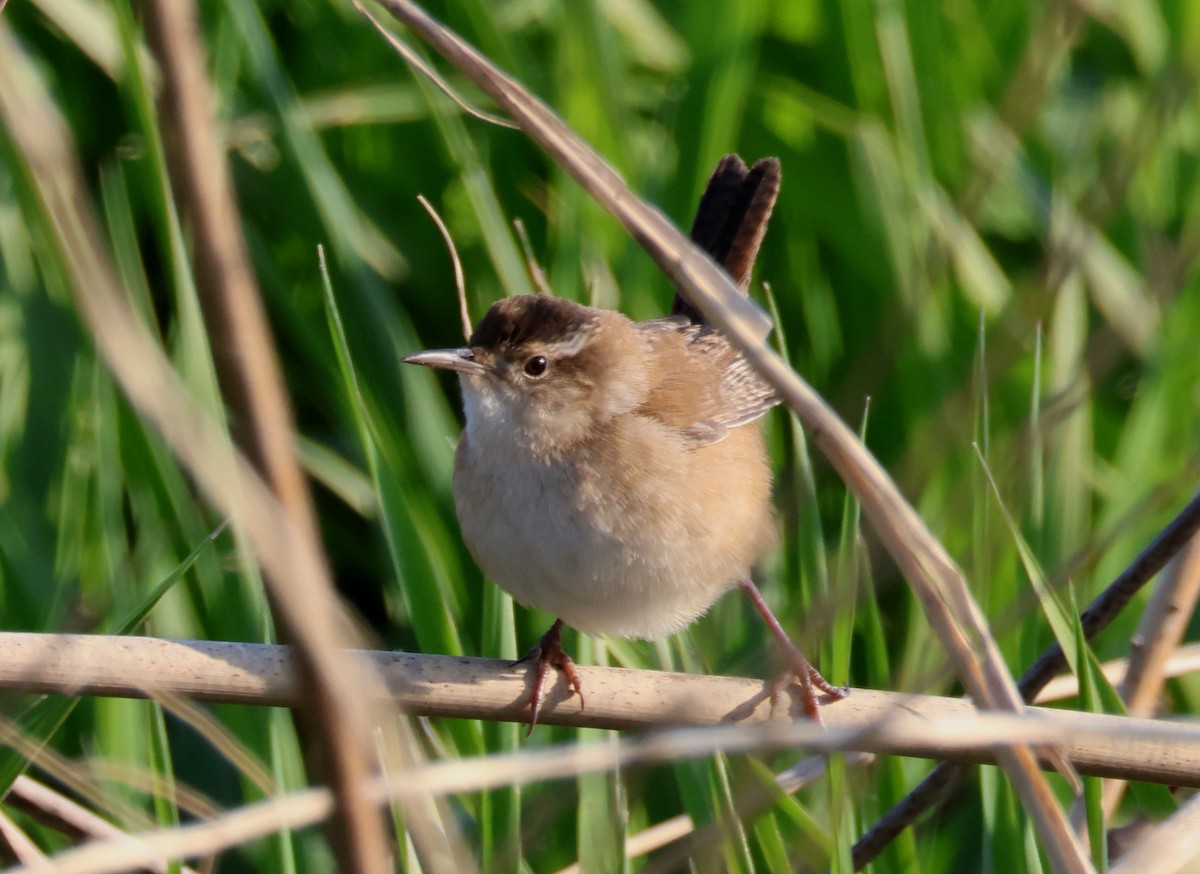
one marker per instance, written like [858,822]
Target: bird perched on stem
[613,472]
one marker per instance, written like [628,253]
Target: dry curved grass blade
[432,75]
[460,286]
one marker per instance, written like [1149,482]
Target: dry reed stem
[418,63]
[972,728]
[937,785]
[61,813]
[929,570]
[293,565]
[219,736]
[1184,660]
[748,805]
[1162,628]
[334,724]
[537,275]
[1167,848]
[460,283]
[23,849]
[82,778]
[618,698]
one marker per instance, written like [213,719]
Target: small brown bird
[610,471]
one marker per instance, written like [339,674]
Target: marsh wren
[613,472]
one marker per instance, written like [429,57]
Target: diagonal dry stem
[937,582]
[282,541]
[1158,636]
[57,811]
[938,784]
[334,728]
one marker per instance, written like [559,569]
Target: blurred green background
[989,226]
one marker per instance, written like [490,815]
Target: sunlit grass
[991,250]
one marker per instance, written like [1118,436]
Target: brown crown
[530,318]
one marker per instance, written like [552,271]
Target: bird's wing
[706,387]
[666,324]
[745,396]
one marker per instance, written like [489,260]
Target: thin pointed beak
[459,360]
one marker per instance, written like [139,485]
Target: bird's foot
[546,655]
[800,669]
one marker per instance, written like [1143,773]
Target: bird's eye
[536,365]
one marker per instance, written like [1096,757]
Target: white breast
[555,537]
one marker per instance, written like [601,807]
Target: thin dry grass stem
[333,726]
[460,285]
[446,686]
[23,849]
[84,778]
[1184,660]
[938,583]
[432,75]
[1163,625]
[1170,847]
[536,275]
[62,814]
[241,826]
[142,779]
[1117,595]
[980,730]
[79,780]
[219,737]
[1081,564]
[939,783]
[664,242]
[677,828]
[1157,639]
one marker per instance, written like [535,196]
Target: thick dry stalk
[1167,848]
[333,725]
[19,844]
[1184,660]
[456,686]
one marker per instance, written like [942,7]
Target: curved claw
[802,672]
[546,655]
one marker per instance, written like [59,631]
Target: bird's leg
[799,667]
[549,654]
